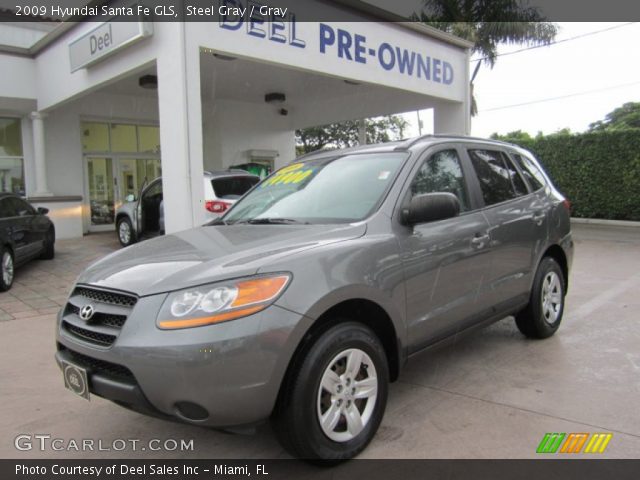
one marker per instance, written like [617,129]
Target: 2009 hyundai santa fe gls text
[306,298]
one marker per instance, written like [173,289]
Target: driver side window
[19,207]
[153,190]
[442,172]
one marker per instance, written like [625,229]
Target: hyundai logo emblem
[86,312]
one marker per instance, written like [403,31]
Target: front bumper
[222,375]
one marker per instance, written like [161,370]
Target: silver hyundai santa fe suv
[307,297]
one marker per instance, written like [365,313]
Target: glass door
[101,192]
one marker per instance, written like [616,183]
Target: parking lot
[492,395]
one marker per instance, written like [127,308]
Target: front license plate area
[76,379]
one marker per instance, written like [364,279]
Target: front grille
[103,296]
[98,366]
[108,319]
[89,335]
[111,310]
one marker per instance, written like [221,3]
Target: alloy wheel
[124,230]
[347,395]
[551,297]
[7,268]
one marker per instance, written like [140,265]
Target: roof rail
[314,152]
[410,142]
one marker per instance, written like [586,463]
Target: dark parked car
[25,233]
[308,296]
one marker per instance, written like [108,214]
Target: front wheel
[126,235]
[542,317]
[6,269]
[334,399]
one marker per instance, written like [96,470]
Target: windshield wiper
[274,221]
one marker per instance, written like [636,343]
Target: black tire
[296,416]
[6,283]
[541,318]
[49,245]
[123,238]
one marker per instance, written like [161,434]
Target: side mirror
[130,198]
[43,210]
[429,207]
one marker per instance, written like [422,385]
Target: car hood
[208,254]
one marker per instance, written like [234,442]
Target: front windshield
[330,190]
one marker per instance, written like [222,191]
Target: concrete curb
[611,223]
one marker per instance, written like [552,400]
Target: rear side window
[442,172]
[231,188]
[530,171]
[499,180]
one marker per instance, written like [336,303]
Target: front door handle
[538,217]
[479,240]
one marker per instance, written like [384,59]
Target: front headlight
[220,302]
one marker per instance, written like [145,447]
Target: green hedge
[598,172]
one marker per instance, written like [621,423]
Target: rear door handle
[480,240]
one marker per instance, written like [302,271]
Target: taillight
[216,206]
[567,205]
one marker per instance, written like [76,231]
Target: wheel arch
[361,310]
[122,215]
[557,253]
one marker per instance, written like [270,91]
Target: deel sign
[101,41]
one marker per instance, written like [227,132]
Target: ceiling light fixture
[150,82]
[275,98]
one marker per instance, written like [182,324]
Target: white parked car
[143,217]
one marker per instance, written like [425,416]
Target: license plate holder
[76,379]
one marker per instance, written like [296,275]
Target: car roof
[415,143]
[236,172]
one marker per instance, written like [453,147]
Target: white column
[451,117]
[178,69]
[455,117]
[40,163]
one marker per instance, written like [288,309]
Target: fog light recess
[191,411]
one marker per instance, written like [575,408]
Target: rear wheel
[542,317]
[334,399]
[48,251]
[6,269]
[126,235]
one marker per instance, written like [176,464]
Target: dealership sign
[104,40]
[372,52]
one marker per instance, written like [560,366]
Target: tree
[487,24]
[516,136]
[622,118]
[345,134]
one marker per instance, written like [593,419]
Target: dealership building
[89,110]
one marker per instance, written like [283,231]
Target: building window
[98,137]
[95,137]
[11,159]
